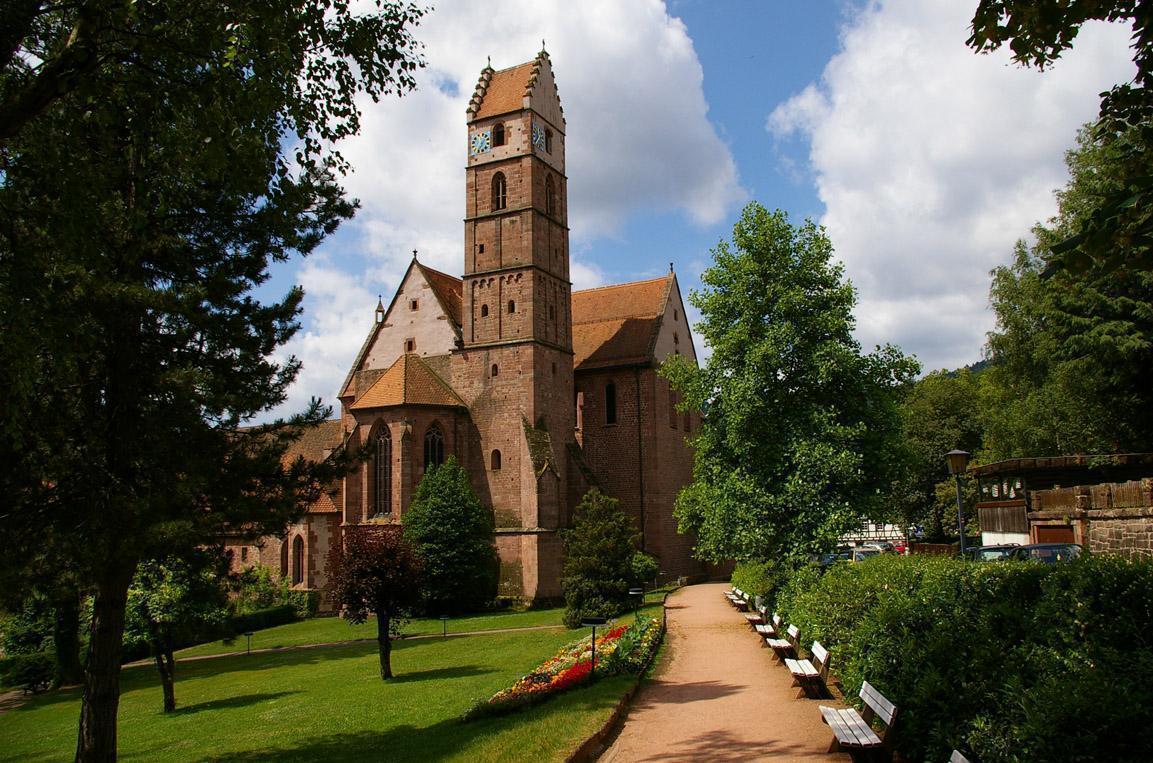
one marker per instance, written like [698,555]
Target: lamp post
[444,626]
[958,460]
[639,593]
[248,635]
[593,622]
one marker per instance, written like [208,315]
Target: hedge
[1006,661]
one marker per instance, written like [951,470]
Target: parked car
[827,560]
[1049,553]
[884,546]
[990,553]
[861,553]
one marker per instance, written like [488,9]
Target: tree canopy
[600,563]
[798,442]
[156,159]
[453,533]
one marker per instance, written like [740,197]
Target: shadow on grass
[242,700]
[432,674]
[441,740]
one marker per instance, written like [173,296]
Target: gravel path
[718,695]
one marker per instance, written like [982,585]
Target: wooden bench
[958,757]
[740,600]
[811,674]
[787,646]
[757,618]
[734,596]
[769,630]
[853,731]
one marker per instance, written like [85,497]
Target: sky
[924,161]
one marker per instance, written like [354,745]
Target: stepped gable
[448,292]
[618,325]
[505,91]
[408,382]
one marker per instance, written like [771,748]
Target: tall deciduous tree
[375,571]
[1071,350]
[799,440]
[453,533]
[138,211]
[172,597]
[1118,227]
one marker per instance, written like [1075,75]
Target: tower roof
[508,90]
[447,290]
[408,382]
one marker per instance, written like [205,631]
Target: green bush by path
[329,704]
[761,578]
[1011,661]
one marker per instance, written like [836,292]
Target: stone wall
[1112,518]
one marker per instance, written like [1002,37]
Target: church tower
[514,365]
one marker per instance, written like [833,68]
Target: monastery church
[539,391]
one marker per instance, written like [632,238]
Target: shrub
[281,614]
[644,568]
[598,555]
[761,578]
[454,534]
[32,671]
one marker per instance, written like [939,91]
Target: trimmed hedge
[262,618]
[761,579]
[1009,661]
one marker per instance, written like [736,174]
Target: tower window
[410,345]
[498,135]
[495,369]
[610,403]
[484,311]
[549,196]
[494,462]
[382,474]
[480,249]
[433,447]
[676,338]
[548,140]
[414,305]
[512,305]
[499,192]
[674,309]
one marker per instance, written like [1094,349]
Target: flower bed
[621,649]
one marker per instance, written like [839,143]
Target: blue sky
[924,160]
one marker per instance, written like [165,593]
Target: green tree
[173,597]
[1117,229]
[940,413]
[138,212]
[1071,349]
[375,571]
[801,430]
[453,533]
[599,552]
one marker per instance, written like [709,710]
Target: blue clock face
[481,142]
[538,135]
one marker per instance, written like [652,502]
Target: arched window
[549,196]
[610,403]
[484,311]
[495,369]
[512,305]
[298,560]
[284,558]
[498,135]
[433,447]
[495,461]
[382,474]
[548,140]
[499,192]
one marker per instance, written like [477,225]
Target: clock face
[538,135]
[481,142]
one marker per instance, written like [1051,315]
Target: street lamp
[639,593]
[958,460]
[444,626]
[593,622]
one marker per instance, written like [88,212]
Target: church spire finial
[380,308]
[414,254]
[489,64]
[670,267]
[542,45]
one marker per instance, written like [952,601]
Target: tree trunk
[66,638]
[162,654]
[96,740]
[385,641]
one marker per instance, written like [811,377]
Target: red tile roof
[408,382]
[447,289]
[617,325]
[506,90]
[316,440]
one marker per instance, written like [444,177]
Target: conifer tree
[598,559]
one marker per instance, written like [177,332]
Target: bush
[32,671]
[1010,661]
[281,614]
[598,560]
[761,579]
[454,534]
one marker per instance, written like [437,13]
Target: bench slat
[866,737]
[820,654]
[884,709]
[801,668]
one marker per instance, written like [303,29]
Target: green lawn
[329,704]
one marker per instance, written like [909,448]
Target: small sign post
[593,622]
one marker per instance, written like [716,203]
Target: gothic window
[549,196]
[499,192]
[547,140]
[382,474]
[610,403]
[495,461]
[433,447]
[512,306]
[284,558]
[580,410]
[495,369]
[484,311]
[298,560]
[498,135]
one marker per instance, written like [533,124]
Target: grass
[330,704]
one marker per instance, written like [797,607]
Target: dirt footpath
[718,695]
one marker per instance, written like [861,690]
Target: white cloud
[638,139]
[932,160]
